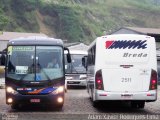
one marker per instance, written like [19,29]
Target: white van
[122,67]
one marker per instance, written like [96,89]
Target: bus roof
[36,40]
[120,35]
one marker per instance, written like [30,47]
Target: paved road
[79,107]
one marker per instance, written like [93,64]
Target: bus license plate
[35,100]
[126,96]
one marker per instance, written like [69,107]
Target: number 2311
[126,80]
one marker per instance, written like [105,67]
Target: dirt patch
[42,27]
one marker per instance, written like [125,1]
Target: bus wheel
[59,107]
[95,104]
[138,104]
[141,104]
[54,107]
[134,104]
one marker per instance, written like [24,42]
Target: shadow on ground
[118,107]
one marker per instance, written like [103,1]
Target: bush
[67,21]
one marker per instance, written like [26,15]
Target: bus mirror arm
[68,55]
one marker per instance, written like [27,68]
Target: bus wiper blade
[74,69]
[44,72]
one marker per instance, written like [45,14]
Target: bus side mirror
[84,61]
[68,55]
[68,58]
[2,59]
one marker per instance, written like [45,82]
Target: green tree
[3,20]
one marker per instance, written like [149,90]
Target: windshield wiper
[44,72]
[74,69]
[48,78]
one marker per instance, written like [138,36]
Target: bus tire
[133,104]
[59,107]
[95,104]
[138,104]
[141,104]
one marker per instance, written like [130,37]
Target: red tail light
[153,83]
[99,80]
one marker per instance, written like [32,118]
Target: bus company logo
[123,44]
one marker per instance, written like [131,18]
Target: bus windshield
[76,65]
[35,63]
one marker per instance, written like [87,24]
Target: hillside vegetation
[77,20]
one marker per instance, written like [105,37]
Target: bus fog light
[10,100]
[60,100]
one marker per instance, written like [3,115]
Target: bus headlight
[60,100]
[11,90]
[83,77]
[59,90]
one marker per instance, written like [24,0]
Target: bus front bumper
[76,83]
[129,96]
[35,99]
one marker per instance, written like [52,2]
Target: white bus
[122,67]
[75,72]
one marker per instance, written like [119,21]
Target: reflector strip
[150,94]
